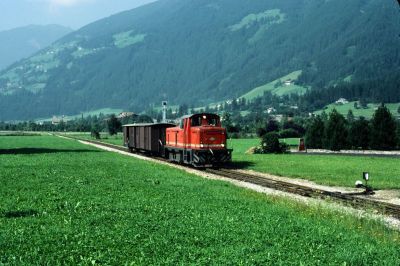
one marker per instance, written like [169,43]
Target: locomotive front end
[212,149]
[199,140]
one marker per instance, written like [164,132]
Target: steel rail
[355,201]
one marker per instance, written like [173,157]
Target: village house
[342,101]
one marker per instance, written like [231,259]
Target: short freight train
[198,140]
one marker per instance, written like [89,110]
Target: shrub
[114,125]
[270,144]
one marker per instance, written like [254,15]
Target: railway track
[355,201]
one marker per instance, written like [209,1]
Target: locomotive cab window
[212,121]
[204,120]
[182,123]
[196,121]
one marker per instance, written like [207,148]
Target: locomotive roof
[148,124]
[189,116]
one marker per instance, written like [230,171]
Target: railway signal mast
[164,111]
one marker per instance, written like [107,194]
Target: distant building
[342,101]
[277,118]
[125,114]
[288,82]
[58,120]
[271,110]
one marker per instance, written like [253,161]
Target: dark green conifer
[383,130]
[359,134]
[315,133]
[336,132]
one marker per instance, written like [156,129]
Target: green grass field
[365,112]
[292,142]
[333,170]
[62,202]
[104,137]
[281,90]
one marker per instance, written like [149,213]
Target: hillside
[198,52]
[282,86]
[358,111]
[22,42]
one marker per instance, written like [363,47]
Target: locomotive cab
[199,140]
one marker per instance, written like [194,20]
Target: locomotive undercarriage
[199,158]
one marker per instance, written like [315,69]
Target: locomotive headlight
[201,145]
[223,145]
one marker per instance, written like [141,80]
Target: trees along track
[354,200]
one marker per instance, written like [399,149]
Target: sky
[70,13]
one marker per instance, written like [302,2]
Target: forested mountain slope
[200,51]
[22,42]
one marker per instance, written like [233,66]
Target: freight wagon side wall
[125,134]
[132,140]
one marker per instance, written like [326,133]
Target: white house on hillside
[342,101]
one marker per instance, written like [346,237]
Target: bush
[95,134]
[270,144]
[114,125]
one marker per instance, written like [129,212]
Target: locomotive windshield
[204,120]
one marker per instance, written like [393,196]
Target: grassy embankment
[65,203]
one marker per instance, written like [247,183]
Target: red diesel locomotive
[198,140]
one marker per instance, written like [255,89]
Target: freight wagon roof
[149,125]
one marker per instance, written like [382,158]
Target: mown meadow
[62,202]
[333,170]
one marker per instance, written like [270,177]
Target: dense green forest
[204,51]
[330,131]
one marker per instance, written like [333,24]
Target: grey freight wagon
[149,138]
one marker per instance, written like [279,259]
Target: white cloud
[55,6]
[67,3]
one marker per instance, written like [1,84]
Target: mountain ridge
[197,52]
[22,42]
